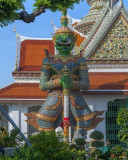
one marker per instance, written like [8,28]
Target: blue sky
[41,28]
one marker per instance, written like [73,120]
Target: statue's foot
[99,113]
[30,115]
[96,121]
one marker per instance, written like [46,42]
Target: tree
[10,10]
[122,120]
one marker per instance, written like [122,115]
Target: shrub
[10,140]
[52,147]
[80,141]
[98,144]
[97,135]
[23,153]
[106,155]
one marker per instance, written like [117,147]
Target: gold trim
[45,66]
[66,92]
[64,32]
[83,66]
[46,118]
[46,130]
[86,117]
[56,106]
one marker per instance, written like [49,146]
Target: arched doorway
[112,128]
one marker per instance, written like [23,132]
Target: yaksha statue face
[64,43]
[64,37]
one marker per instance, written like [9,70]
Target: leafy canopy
[10,9]
[55,5]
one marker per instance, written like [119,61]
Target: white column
[14,115]
[23,123]
[10,114]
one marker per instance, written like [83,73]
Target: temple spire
[121,3]
[111,3]
[64,19]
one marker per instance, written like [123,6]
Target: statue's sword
[66,104]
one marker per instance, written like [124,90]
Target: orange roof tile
[98,81]
[109,80]
[32,53]
[23,91]
[79,40]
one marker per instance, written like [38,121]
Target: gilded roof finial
[64,29]
[64,19]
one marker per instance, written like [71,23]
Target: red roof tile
[32,53]
[23,91]
[109,80]
[98,81]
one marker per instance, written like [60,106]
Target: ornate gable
[114,45]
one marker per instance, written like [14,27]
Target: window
[112,128]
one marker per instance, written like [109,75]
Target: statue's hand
[66,82]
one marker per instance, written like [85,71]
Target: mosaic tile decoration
[115,43]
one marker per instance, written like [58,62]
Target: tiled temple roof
[32,53]
[95,13]
[22,91]
[116,81]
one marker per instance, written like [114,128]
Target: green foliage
[48,147]
[106,155]
[116,151]
[8,11]
[97,153]
[80,141]
[122,120]
[98,144]
[9,8]
[52,147]
[97,135]
[55,5]
[10,140]
[24,153]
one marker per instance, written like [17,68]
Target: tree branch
[28,18]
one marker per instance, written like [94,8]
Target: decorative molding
[114,45]
[102,66]
[110,70]
[102,30]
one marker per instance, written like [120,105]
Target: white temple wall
[96,102]
[16,112]
[99,103]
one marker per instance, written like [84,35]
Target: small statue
[64,75]
[3,131]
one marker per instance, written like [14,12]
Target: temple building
[102,35]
